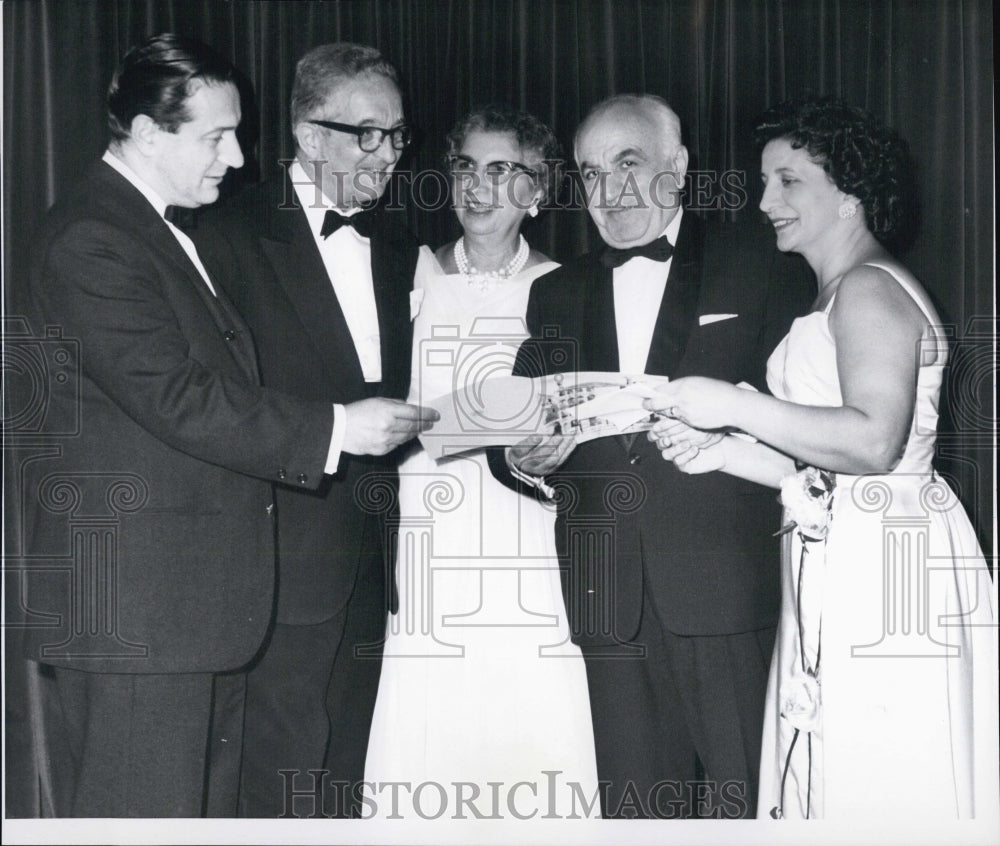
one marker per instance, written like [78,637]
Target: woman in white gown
[882,703]
[480,683]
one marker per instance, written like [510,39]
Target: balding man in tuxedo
[676,612]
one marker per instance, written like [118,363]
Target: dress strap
[939,339]
[905,286]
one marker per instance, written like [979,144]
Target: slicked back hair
[157,77]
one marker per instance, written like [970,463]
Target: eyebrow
[375,123]
[628,153]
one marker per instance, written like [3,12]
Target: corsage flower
[799,698]
[808,498]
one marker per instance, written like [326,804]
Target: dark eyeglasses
[370,138]
[495,172]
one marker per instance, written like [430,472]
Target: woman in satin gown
[480,683]
[882,702]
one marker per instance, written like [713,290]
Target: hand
[699,402]
[668,433]
[379,425]
[538,455]
[690,449]
[693,459]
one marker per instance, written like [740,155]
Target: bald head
[647,107]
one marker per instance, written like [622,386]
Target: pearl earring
[847,210]
[533,211]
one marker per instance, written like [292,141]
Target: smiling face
[485,208]
[800,200]
[350,175]
[186,166]
[633,166]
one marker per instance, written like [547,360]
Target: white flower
[808,498]
[799,697]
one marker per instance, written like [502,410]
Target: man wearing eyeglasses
[323,276]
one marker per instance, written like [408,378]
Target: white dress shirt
[638,289]
[639,285]
[347,259]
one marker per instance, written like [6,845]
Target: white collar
[306,191]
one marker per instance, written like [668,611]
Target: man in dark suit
[166,580]
[323,278]
[671,580]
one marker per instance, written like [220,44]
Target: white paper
[505,410]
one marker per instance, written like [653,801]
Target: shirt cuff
[336,439]
[537,482]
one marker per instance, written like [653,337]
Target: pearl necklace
[485,280]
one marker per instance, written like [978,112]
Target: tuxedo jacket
[149,529]
[701,545]
[261,247]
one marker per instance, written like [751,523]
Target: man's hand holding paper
[539,455]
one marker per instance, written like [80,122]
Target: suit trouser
[677,731]
[137,745]
[310,700]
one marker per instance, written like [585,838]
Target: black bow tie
[659,250]
[363,222]
[181,217]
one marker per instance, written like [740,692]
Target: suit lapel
[673,321]
[599,339]
[680,301]
[224,313]
[392,275]
[599,342]
[157,235]
[298,266]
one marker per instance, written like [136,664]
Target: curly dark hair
[532,136]
[861,155]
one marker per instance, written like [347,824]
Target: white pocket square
[416,298]
[705,319]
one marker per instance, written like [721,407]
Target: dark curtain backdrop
[924,66]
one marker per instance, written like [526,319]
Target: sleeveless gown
[896,623]
[480,682]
